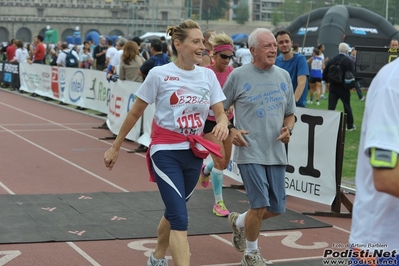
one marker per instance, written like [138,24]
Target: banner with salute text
[311,153]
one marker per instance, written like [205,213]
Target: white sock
[240,222]
[251,246]
[218,198]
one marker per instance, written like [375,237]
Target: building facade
[24,19]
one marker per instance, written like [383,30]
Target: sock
[251,246]
[240,222]
[217,183]
[208,168]
[153,258]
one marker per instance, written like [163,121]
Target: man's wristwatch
[230,127]
[290,130]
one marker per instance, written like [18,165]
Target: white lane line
[46,124]
[222,239]
[9,191]
[61,125]
[268,261]
[341,229]
[271,261]
[71,244]
[83,254]
[297,259]
[67,161]
[47,130]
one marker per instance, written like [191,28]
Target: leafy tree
[276,18]
[211,9]
[242,12]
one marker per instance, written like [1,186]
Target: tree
[242,12]
[211,9]
[276,18]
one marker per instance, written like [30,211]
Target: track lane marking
[67,161]
[83,254]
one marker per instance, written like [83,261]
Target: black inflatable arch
[333,25]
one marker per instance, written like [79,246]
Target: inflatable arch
[333,25]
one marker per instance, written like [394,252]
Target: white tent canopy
[154,35]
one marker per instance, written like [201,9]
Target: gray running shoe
[253,259]
[154,262]
[238,239]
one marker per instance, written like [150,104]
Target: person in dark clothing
[337,90]
[156,51]
[99,54]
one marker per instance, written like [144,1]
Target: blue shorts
[265,186]
[176,173]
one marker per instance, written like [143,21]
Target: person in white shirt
[113,66]
[21,54]
[61,59]
[243,55]
[110,52]
[376,207]
[182,93]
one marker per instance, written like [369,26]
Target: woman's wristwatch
[230,127]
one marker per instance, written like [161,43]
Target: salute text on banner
[311,152]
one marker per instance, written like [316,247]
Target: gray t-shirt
[261,98]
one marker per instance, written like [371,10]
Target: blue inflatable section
[69,40]
[114,38]
[93,36]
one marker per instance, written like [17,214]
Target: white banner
[311,152]
[311,155]
[86,88]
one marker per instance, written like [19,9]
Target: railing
[67,3]
[81,20]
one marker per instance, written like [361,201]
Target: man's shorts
[265,186]
[314,80]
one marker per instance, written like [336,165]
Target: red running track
[50,149]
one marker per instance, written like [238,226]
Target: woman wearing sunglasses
[223,49]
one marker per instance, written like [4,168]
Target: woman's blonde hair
[179,32]
[130,51]
[220,39]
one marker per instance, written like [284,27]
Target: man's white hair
[253,37]
[343,48]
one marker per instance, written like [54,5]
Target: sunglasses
[225,56]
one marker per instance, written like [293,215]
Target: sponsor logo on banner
[62,78]
[8,77]
[46,81]
[115,104]
[76,86]
[32,80]
[54,82]
[11,68]
[130,102]
[306,51]
[304,30]
[362,31]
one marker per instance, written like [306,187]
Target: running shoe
[254,258]
[156,262]
[203,178]
[238,239]
[220,209]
